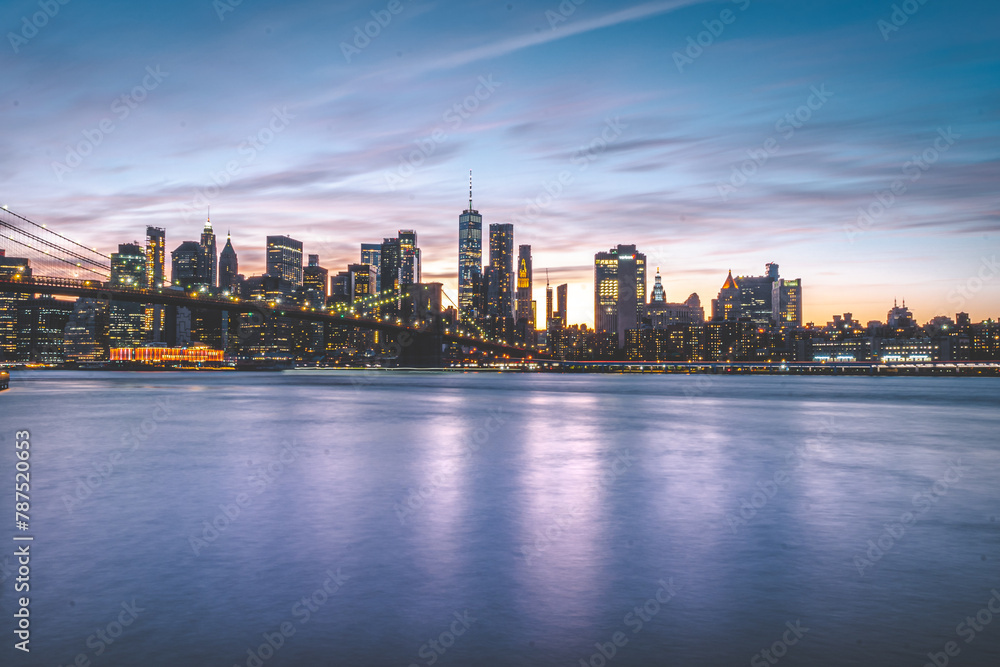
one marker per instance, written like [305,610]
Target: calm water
[483,519]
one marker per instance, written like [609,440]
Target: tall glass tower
[470,258]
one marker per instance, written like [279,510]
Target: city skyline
[823,119]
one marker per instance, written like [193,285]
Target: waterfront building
[619,291]
[208,260]
[228,266]
[315,277]
[284,259]
[470,259]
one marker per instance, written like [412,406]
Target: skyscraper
[470,258]
[755,295]
[184,263]
[315,277]
[284,259]
[128,266]
[786,301]
[619,290]
[409,258]
[502,261]
[128,269]
[525,310]
[562,294]
[371,254]
[727,305]
[156,256]
[11,303]
[549,311]
[155,317]
[389,261]
[228,265]
[208,260]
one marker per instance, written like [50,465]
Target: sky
[856,143]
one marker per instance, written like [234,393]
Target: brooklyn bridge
[60,266]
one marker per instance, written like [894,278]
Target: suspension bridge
[61,266]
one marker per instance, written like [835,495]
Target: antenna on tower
[546,276]
[470,189]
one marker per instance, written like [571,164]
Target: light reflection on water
[563,518]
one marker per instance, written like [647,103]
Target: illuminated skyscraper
[154,316]
[184,263]
[284,259]
[470,258]
[11,303]
[727,305]
[208,260]
[619,290]
[549,312]
[409,258]
[371,254]
[501,303]
[315,277]
[228,265]
[128,269]
[786,301]
[562,294]
[156,256]
[525,309]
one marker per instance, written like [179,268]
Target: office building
[755,295]
[208,260]
[726,307]
[184,263]
[786,302]
[470,259]
[525,309]
[500,306]
[409,258]
[11,303]
[284,259]
[128,269]
[662,313]
[315,277]
[562,297]
[154,316]
[229,267]
[371,254]
[86,333]
[619,291]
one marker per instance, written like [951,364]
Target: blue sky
[695,154]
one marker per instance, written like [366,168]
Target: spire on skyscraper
[470,189]
[208,220]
